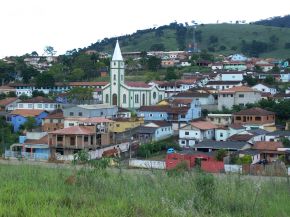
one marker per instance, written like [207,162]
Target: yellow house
[163,102]
[124,124]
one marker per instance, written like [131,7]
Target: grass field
[47,192]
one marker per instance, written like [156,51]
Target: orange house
[255,116]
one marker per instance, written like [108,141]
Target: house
[173,87]
[265,88]
[223,85]
[53,121]
[123,113]
[70,140]
[277,135]
[230,146]
[38,102]
[123,124]
[254,118]
[220,119]
[9,104]
[217,66]
[238,57]
[102,124]
[154,131]
[195,132]
[255,155]
[19,117]
[192,158]
[230,76]
[240,95]
[6,89]
[32,146]
[87,111]
[269,150]
[235,65]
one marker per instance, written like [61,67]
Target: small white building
[265,88]
[38,102]
[196,132]
[220,119]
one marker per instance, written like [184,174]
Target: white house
[222,134]
[196,132]
[223,85]
[38,103]
[220,119]
[265,88]
[232,76]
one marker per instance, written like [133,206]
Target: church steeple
[117,56]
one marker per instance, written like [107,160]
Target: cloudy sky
[30,25]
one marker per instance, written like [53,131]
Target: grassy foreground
[35,191]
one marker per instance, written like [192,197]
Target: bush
[220,154]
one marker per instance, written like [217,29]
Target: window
[232,95]
[102,113]
[71,124]
[46,105]
[59,121]
[150,115]
[136,98]
[80,114]
[86,139]
[182,116]
[241,95]
[124,98]
[224,95]
[154,95]
[59,138]
[20,105]
[257,118]
[182,141]
[186,133]
[117,125]
[221,135]
[107,98]
[71,114]
[238,118]
[29,105]
[161,115]
[51,121]
[114,77]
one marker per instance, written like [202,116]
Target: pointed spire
[117,53]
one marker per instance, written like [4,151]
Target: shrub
[220,154]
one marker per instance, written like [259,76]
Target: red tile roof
[76,130]
[38,99]
[42,140]
[240,137]
[203,125]
[155,108]
[27,112]
[236,126]
[254,111]
[139,84]
[238,89]
[57,114]
[270,146]
[7,101]
[91,120]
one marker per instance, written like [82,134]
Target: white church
[129,95]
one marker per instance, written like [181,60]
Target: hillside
[215,38]
[275,21]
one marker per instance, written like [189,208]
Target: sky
[31,25]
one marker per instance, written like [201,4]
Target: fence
[230,168]
[147,164]
[26,155]
[212,166]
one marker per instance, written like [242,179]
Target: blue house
[33,146]
[19,117]
[181,110]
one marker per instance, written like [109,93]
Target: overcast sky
[30,25]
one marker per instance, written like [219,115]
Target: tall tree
[44,80]
[49,50]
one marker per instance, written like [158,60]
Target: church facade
[131,95]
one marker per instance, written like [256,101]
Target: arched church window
[154,95]
[124,98]
[114,77]
[107,98]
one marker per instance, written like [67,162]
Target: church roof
[117,53]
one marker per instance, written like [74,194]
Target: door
[115,99]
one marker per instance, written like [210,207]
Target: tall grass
[35,191]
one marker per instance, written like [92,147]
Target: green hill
[250,39]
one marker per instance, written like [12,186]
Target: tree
[44,80]
[250,80]
[213,39]
[157,47]
[220,154]
[269,80]
[276,69]
[286,142]
[80,94]
[170,74]
[49,50]
[29,124]
[34,53]
[36,93]
[154,63]
[76,74]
